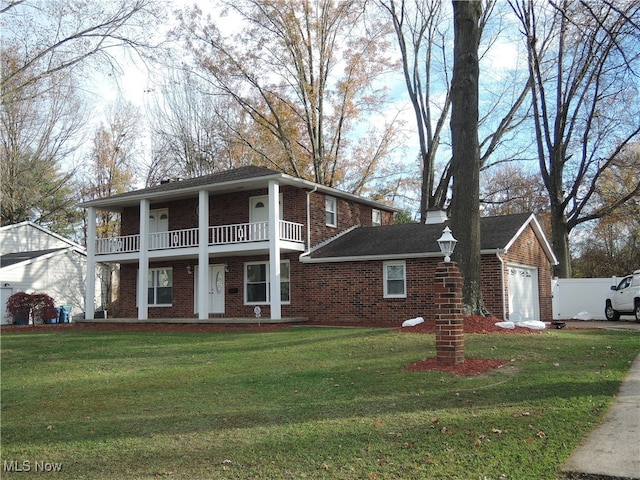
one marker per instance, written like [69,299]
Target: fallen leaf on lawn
[521,414]
[377,424]
[478,443]
[496,430]
[373,476]
[324,466]
[541,434]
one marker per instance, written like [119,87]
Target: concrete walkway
[612,449]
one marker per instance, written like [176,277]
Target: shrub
[39,305]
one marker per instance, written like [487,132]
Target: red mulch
[472,324]
[471,366]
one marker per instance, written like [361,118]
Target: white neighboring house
[34,259]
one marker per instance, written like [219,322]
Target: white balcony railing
[174,239]
[123,244]
[218,235]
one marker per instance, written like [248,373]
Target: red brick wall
[352,292]
[492,285]
[349,214]
[527,251]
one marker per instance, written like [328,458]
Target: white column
[274,249]
[203,255]
[143,262]
[90,285]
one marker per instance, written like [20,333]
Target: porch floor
[194,321]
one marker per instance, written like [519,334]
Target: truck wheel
[610,313]
[636,310]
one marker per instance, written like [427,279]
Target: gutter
[505,315]
[309,220]
[304,258]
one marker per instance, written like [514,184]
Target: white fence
[573,296]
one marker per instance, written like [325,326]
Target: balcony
[222,235]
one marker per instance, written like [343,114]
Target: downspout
[505,316]
[309,219]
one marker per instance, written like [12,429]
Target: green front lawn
[299,402]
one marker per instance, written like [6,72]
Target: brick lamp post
[448,303]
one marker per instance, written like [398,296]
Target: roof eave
[364,258]
[537,229]
[118,203]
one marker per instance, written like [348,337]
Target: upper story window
[376,217]
[331,211]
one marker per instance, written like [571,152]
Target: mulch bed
[473,324]
[470,366]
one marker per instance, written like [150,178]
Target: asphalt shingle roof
[415,238]
[236,174]
[9,259]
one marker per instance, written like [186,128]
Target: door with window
[259,217]
[216,288]
[159,228]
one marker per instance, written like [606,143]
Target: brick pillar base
[449,314]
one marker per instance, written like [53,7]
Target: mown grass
[300,402]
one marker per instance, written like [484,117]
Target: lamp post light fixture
[447,244]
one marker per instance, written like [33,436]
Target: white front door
[523,293]
[216,288]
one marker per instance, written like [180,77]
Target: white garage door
[523,293]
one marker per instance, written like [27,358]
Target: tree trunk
[465,164]
[560,240]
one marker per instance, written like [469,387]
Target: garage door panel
[523,293]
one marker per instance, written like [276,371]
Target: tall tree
[304,73]
[511,189]
[46,47]
[52,36]
[612,246]
[195,130]
[111,169]
[583,58]
[465,164]
[423,33]
[40,130]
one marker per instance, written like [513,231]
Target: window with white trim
[376,217]
[160,287]
[257,290]
[331,211]
[395,279]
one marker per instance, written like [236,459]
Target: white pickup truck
[624,298]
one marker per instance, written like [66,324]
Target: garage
[523,293]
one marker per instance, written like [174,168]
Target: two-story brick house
[218,246]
